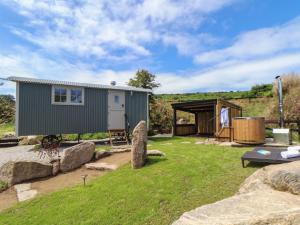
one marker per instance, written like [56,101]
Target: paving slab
[26,195]
[155,153]
[24,192]
[101,166]
[22,187]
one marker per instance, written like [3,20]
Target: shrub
[160,115]
[3,186]
[291,97]
[7,108]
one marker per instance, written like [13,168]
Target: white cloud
[29,64]
[112,28]
[235,76]
[188,44]
[125,33]
[257,43]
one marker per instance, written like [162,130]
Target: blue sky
[192,45]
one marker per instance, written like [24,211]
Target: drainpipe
[280,98]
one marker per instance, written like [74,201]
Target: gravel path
[19,153]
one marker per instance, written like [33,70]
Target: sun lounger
[274,156]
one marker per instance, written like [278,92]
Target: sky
[191,45]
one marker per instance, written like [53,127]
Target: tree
[143,79]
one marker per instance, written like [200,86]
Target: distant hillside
[255,102]
[264,90]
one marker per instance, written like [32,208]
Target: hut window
[76,95]
[67,95]
[60,95]
[117,99]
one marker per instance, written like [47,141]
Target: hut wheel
[51,141]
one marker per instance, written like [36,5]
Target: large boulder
[284,177]
[139,145]
[269,196]
[254,208]
[14,172]
[76,156]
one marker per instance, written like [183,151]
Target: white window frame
[68,102]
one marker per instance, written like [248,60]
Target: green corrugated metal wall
[37,116]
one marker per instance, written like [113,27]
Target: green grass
[190,176]
[103,147]
[88,136]
[6,127]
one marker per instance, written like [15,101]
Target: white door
[116,110]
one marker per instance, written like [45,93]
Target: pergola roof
[200,105]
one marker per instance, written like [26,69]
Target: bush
[160,115]
[7,109]
[291,97]
[3,186]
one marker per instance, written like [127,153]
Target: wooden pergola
[206,112]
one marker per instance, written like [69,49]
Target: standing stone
[139,145]
[76,156]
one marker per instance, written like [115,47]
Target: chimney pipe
[280,98]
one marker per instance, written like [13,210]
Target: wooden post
[196,123]
[215,120]
[174,122]
[298,130]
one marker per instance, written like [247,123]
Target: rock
[121,148]
[101,166]
[29,140]
[26,195]
[9,135]
[254,182]
[254,208]
[22,187]
[102,154]
[14,172]
[76,156]
[270,196]
[139,145]
[24,192]
[200,143]
[56,167]
[283,177]
[225,143]
[286,178]
[155,153]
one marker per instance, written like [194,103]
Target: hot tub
[249,130]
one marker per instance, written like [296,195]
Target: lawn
[191,175]
[6,127]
